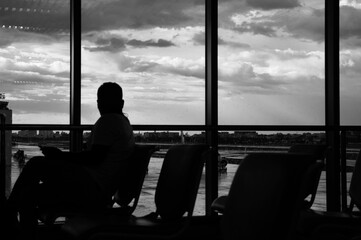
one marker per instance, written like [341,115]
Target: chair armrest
[219,204]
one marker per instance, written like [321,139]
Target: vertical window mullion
[75,73]
[212,100]
[332,87]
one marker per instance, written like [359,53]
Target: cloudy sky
[271,60]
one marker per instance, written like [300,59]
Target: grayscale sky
[271,61]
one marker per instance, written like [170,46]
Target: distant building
[161,134]
[27,133]
[247,134]
[46,134]
[223,134]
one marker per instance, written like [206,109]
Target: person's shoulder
[113,118]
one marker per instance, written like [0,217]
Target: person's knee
[35,162]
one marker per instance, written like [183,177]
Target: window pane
[154,49]
[235,146]
[35,60]
[23,145]
[164,140]
[271,62]
[353,146]
[350,62]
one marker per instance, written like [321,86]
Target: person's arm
[90,157]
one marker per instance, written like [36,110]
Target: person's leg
[64,181]
[22,196]
[28,179]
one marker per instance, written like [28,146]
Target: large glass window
[35,60]
[234,146]
[154,50]
[350,62]
[271,71]
[271,62]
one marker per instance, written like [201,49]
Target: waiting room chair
[175,197]
[319,151]
[315,224]
[314,172]
[265,197]
[125,199]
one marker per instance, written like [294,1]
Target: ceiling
[42,16]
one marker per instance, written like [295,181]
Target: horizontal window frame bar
[146,127]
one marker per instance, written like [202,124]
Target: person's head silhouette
[110,98]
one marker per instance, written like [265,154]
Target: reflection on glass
[271,62]
[154,50]
[35,60]
[350,62]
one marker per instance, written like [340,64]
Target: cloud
[10,36]
[300,23]
[119,44]
[140,14]
[265,28]
[33,76]
[350,43]
[46,104]
[229,8]
[350,72]
[165,65]
[150,43]
[53,19]
[4,42]
[108,45]
[350,28]
[245,79]
[200,39]
[273,4]
[272,72]
[306,23]
[24,67]
[289,54]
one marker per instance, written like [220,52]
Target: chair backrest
[318,151]
[355,184]
[130,186]
[264,198]
[179,180]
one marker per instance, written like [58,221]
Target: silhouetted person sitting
[76,178]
